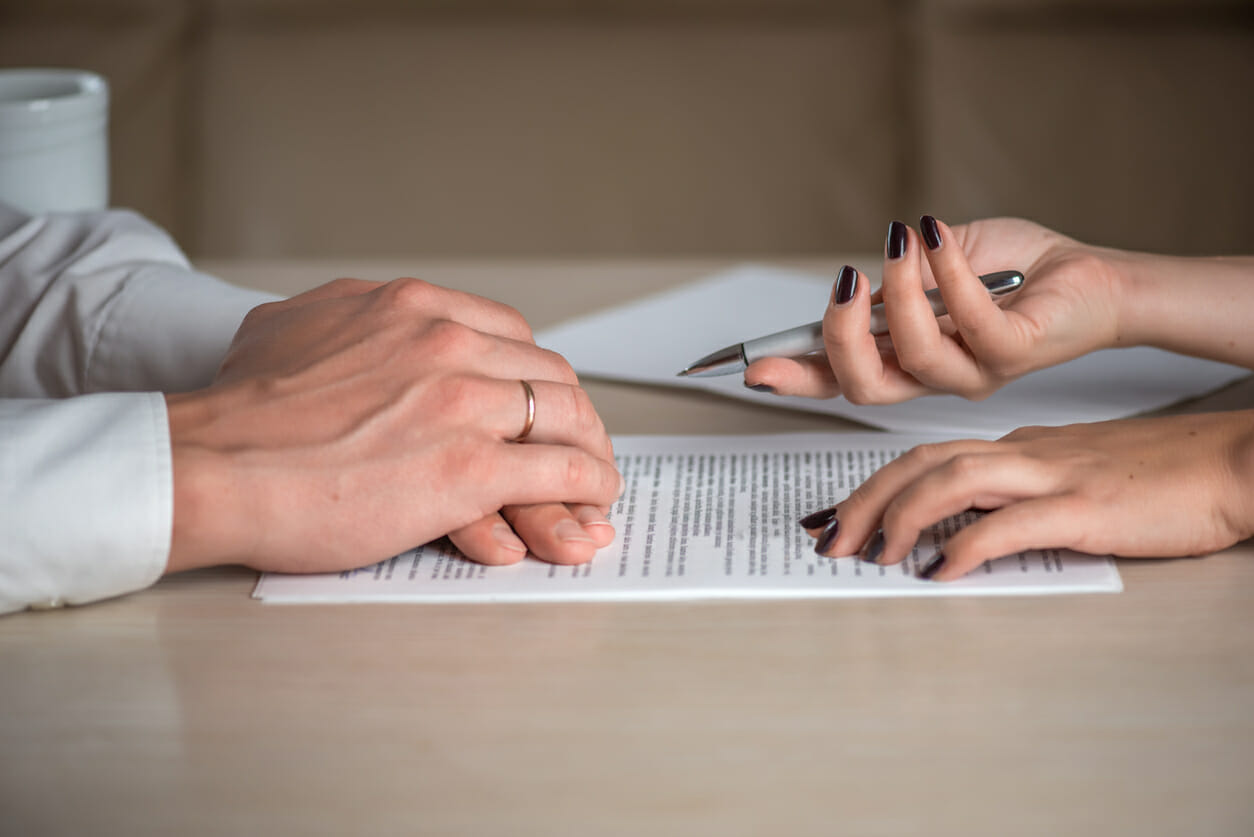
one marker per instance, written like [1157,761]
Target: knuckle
[978,392]
[454,339]
[918,361]
[896,519]
[518,323]
[575,470]
[856,392]
[1002,366]
[966,466]
[839,341]
[862,497]
[561,369]
[924,456]
[410,293]
[583,412]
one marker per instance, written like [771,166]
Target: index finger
[982,324]
[860,513]
[853,352]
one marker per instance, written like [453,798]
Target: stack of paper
[717,516]
[710,517]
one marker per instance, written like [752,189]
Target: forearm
[1195,306]
[106,302]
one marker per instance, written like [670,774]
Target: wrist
[1240,508]
[1138,293]
[1190,305]
[207,503]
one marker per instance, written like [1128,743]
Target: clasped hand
[361,419]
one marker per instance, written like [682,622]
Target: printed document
[711,517]
[649,341]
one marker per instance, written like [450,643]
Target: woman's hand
[1136,488]
[1069,305]
[361,419]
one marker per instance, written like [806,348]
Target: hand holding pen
[1065,308]
[1176,485]
[808,339]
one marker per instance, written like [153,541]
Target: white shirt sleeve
[100,303]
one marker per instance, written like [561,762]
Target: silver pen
[804,340]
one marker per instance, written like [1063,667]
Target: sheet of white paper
[710,517]
[649,341]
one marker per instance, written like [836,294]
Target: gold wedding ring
[531,412]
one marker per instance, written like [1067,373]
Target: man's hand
[361,419]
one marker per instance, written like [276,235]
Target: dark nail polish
[760,387]
[931,233]
[875,548]
[932,567]
[828,537]
[818,519]
[896,240]
[846,285]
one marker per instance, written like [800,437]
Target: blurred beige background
[312,128]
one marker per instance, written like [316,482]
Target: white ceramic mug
[54,145]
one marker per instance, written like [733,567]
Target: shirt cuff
[168,333]
[86,498]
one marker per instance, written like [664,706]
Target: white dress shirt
[100,314]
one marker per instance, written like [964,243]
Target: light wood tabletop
[192,709]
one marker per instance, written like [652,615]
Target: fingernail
[818,519]
[933,566]
[875,548]
[760,387]
[846,285]
[828,537]
[896,240]
[570,531]
[506,538]
[931,233]
[588,516]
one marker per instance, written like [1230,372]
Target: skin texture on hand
[1076,298]
[1160,487]
[361,419]
[1069,305]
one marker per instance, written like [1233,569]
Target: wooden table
[191,709]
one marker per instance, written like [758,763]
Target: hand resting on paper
[360,419]
[1176,486]
[1154,487]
